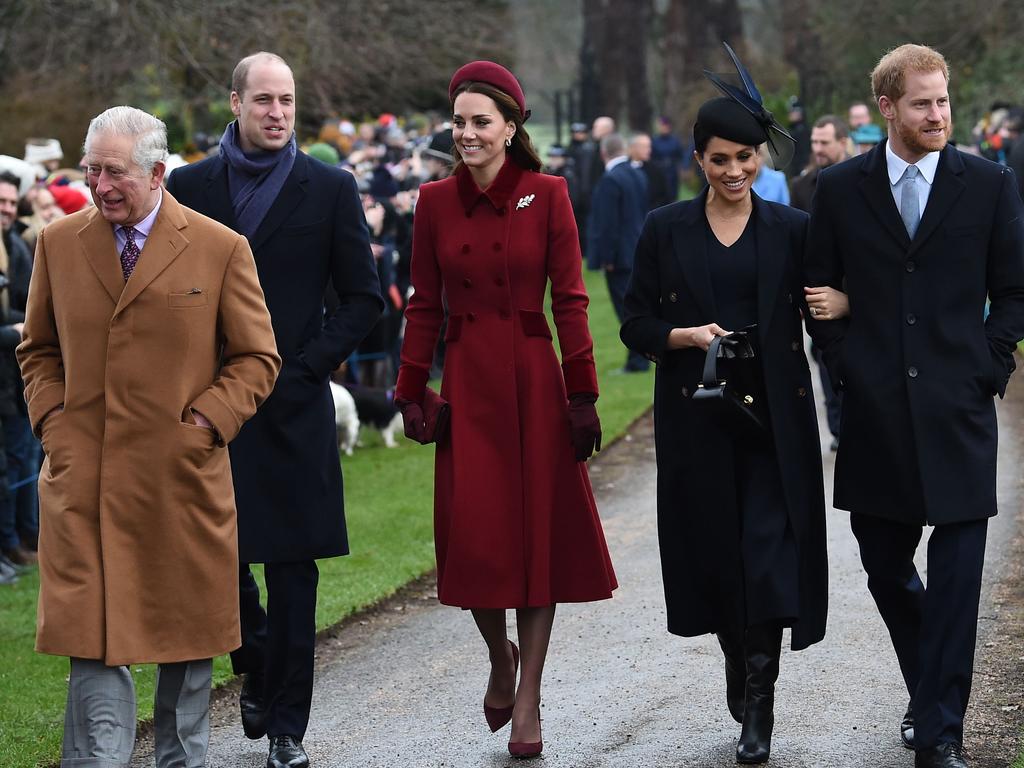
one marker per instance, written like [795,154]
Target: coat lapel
[97,238]
[689,241]
[218,195]
[878,193]
[288,199]
[163,245]
[946,189]
[772,242]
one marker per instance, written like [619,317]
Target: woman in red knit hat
[515,524]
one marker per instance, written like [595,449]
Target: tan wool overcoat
[137,542]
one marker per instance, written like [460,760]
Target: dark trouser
[933,629]
[280,642]
[833,399]
[618,279]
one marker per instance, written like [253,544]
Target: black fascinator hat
[741,117]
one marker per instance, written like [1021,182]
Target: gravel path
[403,685]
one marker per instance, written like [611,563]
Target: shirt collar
[145,226]
[926,166]
[615,161]
[498,194]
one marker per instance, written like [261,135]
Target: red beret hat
[67,198]
[492,74]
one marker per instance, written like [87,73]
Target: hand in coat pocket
[584,425]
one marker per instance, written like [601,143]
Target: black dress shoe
[907,729]
[286,752]
[942,756]
[250,702]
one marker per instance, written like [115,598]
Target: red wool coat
[515,524]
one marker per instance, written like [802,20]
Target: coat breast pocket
[302,228]
[189,299]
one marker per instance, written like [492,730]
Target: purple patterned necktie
[130,254]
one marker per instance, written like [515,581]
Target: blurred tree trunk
[803,50]
[692,32]
[615,35]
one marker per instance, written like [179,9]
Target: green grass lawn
[390,532]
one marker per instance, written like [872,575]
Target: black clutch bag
[733,385]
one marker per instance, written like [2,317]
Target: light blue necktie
[910,203]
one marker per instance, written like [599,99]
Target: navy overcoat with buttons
[515,523]
[918,362]
[287,476]
[698,522]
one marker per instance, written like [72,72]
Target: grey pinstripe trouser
[99,720]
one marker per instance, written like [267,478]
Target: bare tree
[72,57]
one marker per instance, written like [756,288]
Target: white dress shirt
[614,162]
[926,175]
[142,229]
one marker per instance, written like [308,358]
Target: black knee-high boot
[735,672]
[763,647]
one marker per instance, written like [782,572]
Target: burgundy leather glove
[584,425]
[412,417]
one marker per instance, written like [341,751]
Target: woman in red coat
[515,524]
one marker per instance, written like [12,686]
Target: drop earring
[508,142]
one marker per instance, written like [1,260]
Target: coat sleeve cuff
[412,382]
[45,400]
[218,414]
[580,376]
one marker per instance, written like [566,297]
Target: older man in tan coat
[147,346]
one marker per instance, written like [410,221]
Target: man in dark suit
[617,212]
[921,234]
[305,224]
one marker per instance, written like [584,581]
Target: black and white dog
[355,406]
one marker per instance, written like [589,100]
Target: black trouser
[618,280]
[933,629]
[280,642]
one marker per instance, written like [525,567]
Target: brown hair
[889,76]
[840,127]
[240,75]
[522,150]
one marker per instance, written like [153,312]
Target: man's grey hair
[149,132]
[613,145]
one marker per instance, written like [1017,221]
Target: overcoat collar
[498,194]
[771,238]
[877,191]
[166,240]
[288,199]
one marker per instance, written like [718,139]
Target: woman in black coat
[741,520]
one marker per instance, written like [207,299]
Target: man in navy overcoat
[921,235]
[618,208]
[305,224]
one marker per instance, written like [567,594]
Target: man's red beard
[919,143]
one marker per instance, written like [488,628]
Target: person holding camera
[741,514]
[515,523]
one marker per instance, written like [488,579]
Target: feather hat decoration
[744,92]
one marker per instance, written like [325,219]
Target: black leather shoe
[286,752]
[735,675]
[942,756]
[763,648]
[250,702]
[907,729]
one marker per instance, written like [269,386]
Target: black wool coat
[698,522]
[287,476]
[918,363]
